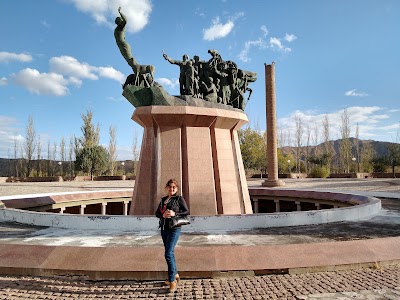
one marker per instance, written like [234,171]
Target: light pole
[288,165]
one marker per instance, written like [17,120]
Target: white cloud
[243,55]
[171,83]
[41,83]
[64,71]
[44,24]
[290,37]
[391,127]
[3,81]
[369,119]
[110,72]
[199,13]
[276,44]
[217,30]
[264,29]
[67,65]
[75,81]
[6,57]
[137,12]
[354,93]
[9,133]
[70,66]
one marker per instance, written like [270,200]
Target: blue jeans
[170,237]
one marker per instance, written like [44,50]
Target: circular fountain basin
[348,207]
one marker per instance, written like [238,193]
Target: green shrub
[319,172]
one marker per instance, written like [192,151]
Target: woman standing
[170,206]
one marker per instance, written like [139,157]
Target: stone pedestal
[198,147]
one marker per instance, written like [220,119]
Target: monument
[191,137]
[272,149]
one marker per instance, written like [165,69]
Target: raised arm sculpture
[182,75]
[143,75]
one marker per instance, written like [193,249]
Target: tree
[39,150]
[253,148]
[112,150]
[394,156]
[53,162]
[91,135]
[299,139]
[307,147]
[62,155]
[345,145]
[16,157]
[70,156]
[367,155]
[92,160]
[327,145]
[357,147]
[30,145]
[135,151]
[315,138]
[49,159]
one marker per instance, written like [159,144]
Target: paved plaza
[377,282]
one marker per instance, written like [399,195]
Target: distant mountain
[379,148]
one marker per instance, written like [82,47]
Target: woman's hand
[168,214]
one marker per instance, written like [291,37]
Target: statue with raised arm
[143,75]
[119,34]
[183,66]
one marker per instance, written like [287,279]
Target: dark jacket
[177,204]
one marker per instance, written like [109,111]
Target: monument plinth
[199,147]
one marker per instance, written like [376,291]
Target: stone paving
[370,283]
[376,283]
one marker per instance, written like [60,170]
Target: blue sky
[58,58]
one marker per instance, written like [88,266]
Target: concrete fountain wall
[361,207]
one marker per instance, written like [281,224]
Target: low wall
[35,179]
[363,207]
[385,175]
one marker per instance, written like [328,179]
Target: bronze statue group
[215,80]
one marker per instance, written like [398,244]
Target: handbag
[179,221]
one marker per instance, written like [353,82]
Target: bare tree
[62,154]
[299,139]
[328,151]
[281,138]
[16,158]
[9,162]
[345,145]
[39,150]
[49,159]
[112,150]
[315,138]
[308,138]
[30,145]
[70,156]
[135,151]
[55,158]
[21,161]
[357,147]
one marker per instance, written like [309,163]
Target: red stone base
[198,147]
